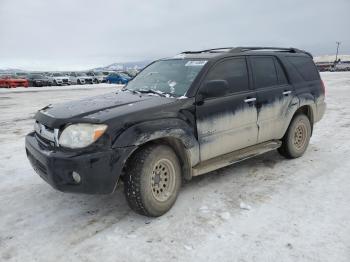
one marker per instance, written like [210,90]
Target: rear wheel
[297,137]
[152,180]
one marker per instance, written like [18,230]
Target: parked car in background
[135,72]
[118,78]
[340,66]
[21,75]
[132,73]
[39,80]
[59,79]
[11,81]
[97,77]
[80,78]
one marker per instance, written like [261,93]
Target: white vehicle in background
[59,79]
[80,78]
[98,77]
[343,66]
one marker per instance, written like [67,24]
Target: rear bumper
[99,171]
[320,110]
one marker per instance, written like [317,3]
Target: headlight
[81,135]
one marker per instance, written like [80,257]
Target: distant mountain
[124,66]
[111,67]
[10,70]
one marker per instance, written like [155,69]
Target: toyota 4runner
[180,117]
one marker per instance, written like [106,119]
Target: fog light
[76,177]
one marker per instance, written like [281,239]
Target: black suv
[180,117]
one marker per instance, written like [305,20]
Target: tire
[297,137]
[78,82]
[152,180]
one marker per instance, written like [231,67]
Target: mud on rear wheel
[152,180]
[297,137]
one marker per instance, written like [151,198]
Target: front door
[229,122]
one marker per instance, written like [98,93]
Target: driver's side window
[234,71]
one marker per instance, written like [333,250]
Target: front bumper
[41,83]
[99,171]
[89,81]
[19,84]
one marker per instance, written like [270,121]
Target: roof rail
[245,49]
[257,48]
[213,50]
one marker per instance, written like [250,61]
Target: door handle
[286,93]
[249,100]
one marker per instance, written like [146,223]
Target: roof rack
[245,49]
[269,48]
[213,50]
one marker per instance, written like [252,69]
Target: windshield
[81,74]
[36,76]
[173,76]
[57,74]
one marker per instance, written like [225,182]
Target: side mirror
[214,88]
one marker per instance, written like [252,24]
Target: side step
[234,157]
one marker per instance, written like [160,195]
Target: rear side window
[282,79]
[234,71]
[264,72]
[305,67]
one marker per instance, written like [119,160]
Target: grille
[45,132]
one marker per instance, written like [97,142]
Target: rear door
[274,96]
[229,122]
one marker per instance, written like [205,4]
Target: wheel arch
[179,149]
[306,109]
[172,132]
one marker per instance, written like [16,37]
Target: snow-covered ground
[264,209]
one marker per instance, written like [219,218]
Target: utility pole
[336,56]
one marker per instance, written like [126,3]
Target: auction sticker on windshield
[196,63]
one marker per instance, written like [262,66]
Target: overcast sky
[80,34]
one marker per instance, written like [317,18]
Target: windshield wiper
[147,91]
[135,92]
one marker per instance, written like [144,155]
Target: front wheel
[297,137]
[152,180]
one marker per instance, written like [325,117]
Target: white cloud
[82,33]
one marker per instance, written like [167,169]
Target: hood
[98,109]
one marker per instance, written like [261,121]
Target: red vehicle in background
[10,81]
